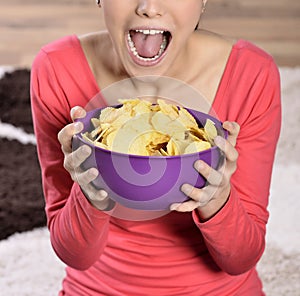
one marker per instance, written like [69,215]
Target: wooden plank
[27,25]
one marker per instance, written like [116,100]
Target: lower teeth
[134,51]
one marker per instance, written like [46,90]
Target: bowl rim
[79,136]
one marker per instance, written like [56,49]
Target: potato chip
[100,135]
[94,133]
[109,137]
[132,102]
[138,145]
[172,148]
[177,147]
[163,152]
[155,108]
[142,107]
[129,131]
[198,134]
[168,109]
[86,137]
[197,146]
[186,119]
[121,120]
[163,123]
[148,143]
[210,130]
[96,122]
[157,142]
[108,114]
[101,145]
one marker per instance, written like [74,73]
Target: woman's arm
[236,236]
[78,230]
[234,229]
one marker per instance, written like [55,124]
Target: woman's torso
[169,250]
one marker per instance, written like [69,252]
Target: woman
[208,245]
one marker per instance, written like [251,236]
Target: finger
[212,176]
[75,159]
[199,195]
[83,178]
[233,129]
[100,199]
[187,206]
[227,147]
[97,195]
[66,134]
[77,112]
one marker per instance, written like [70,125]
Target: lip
[143,63]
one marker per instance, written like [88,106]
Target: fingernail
[174,207]
[73,112]
[227,124]
[78,126]
[77,112]
[198,165]
[93,172]
[186,189]
[103,193]
[86,150]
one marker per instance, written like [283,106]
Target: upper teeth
[148,32]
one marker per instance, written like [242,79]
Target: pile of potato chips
[142,128]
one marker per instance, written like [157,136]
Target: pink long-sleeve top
[174,254]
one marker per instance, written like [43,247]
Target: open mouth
[148,45]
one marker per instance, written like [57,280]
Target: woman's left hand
[210,199]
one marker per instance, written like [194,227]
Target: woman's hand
[73,160]
[210,199]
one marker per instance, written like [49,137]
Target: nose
[150,8]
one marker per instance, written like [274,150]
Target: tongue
[147,46]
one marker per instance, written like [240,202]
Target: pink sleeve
[235,236]
[78,230]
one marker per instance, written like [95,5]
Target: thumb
[233,129]
[77,112]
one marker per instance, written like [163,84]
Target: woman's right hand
[74,159]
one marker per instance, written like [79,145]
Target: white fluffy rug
[29,267]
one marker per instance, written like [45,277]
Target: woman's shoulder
[62,49]
[61,57]
[244,56]
[251,61]
[60,45]
[70,43]
[251,52]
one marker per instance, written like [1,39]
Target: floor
[25,26]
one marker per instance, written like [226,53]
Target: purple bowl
[147,182]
